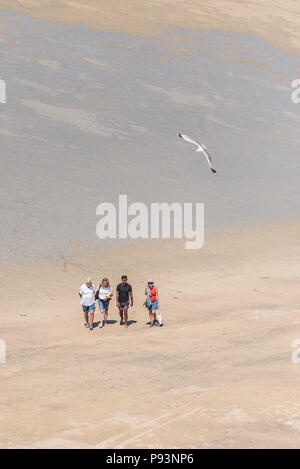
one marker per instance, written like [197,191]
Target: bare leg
[126,316]
[101,319]
[86,317]
[91,319]
[121,316]
[151,316]
[105,316]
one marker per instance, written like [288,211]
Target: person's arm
[131,298]
[157,297]
[145,291]
[108,296]
[117,297]
[80,293]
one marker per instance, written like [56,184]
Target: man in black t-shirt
[124,293]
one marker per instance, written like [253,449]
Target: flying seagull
[201,147]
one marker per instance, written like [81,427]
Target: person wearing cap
[152,302]
[87,295]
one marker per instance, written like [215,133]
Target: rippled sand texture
[90,115]
[95,101]
[218,375]
[274,21]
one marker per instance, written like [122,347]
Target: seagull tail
[179,135]
[213,170]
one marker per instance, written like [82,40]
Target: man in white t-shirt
[87,295]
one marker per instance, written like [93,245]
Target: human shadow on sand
[110,322]
[130,322]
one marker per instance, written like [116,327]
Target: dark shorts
[124,305]
[88,309]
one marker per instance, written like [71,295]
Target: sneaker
[91,328]
[161,325]
[86,324]
[151,324]
[156,323]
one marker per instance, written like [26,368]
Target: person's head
[105,282]
[150,283]
[88,282]
[124,279]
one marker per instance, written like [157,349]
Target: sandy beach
[218,375]
[96,95]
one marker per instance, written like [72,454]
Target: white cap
[150,280]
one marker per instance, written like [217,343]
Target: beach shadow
[130,322]
[109,322]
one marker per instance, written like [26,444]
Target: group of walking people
[124,298]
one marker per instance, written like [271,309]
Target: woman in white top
[104,296]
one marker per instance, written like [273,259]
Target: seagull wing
[200,148]
[190,140]
[208,157]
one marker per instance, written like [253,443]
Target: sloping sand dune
[275,21]
[219,374]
